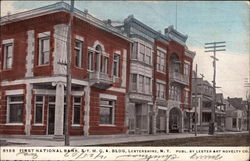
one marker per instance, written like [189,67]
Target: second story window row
[99,62]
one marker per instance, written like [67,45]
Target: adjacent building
[236,115]
[204,102]
[160,79]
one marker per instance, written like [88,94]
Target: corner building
[159,94]
[33,73]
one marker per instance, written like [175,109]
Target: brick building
[33,81]
[160,79]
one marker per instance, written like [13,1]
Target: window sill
[161,72]
[43,65]
[38,124]
[90,71]
[14,124]
[111,125]
[76,125]
[80,68]
[9,69]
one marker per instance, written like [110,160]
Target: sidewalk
[39,140]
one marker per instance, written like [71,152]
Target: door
[51,120]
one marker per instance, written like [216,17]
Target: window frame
[105,65]
[90,60]
[160,90]
[73,110]
[112,107]
[161,61]
[116,64]
[134,81]
[41,52]
[147,85]
[8,108]
[6,55]
[78,62]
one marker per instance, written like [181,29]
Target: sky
[202,21]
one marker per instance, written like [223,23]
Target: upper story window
[186,96]
[147,85]
[147,55]
[133,82]
[135,49]
[141,84]
[105,60]
[98,52]
[160,90]
[161,61]
[78,52]
[8,53]
[175,93]
[186,68]
[144,53]
[141,52]
[15,109]
[44,50]
[116,64]
[90,60]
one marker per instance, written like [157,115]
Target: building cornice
[62,6]
[190,54]
[174,35]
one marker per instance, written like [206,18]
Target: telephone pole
[68,92]
[214,47]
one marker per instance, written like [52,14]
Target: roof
[236,103]
[62,6]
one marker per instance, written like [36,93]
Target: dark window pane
[39,98]
[52,99]
[77,99]
[105,115]
[16,99]
[16,113]
[39,113]
[76,114]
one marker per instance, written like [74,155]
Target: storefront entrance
[175,120]
[51,119]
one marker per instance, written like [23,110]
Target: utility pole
[68,92]
[201,104]
[214,47]
[196,101]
